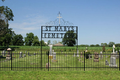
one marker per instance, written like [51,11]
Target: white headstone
[77,53]
[50,50]
[54,55]
[112,62]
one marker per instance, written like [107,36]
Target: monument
[113,58]
[96,57]
[8,57]
[50,54]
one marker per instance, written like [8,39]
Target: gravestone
[81,55]
[103,48]
[90,56]
[34,53]
[113,54]
[96,57]
[112,62]
[106,62]
[77,53]
[101,56]
[29,54]
[24,55]
[74,54]
[54,57]
[47,65]
[79,60]
[8,57]
[50,55]
[20,55]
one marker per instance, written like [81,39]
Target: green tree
[49,42]
[117,45]
[36,41]
[69,38]
[43,43]
[111,44]
[97,45]
[7,38]
[18,40]
[92,45]
[29,39]
[6,15]
[3,0]
[54,42]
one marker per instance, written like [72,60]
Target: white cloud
[31,23]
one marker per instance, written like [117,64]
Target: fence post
[119,60]
[84,60]
[11,60]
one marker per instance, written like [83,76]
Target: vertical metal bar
[48,60]
[119,60]
[84,60]
[41,47]
[11,60]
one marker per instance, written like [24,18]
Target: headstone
[101,56]
[112,62]
[103,48]
[81,55]
[47,65]
[54,57]
[96,57]
[74,54]
[20,55]
[34,53]
[106,62]
[50,55]
[90,56]
[24,55]
[29,54]
[8,57]
[79,60]
[77,53]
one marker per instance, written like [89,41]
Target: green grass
[59,75]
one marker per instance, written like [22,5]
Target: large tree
[43,43]
[111,44]
[69,38]
[6,15]
[18,40]
[29,39]
[7,38]
[36,41]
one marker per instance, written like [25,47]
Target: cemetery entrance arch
[57,32]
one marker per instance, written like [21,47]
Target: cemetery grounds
[63,61]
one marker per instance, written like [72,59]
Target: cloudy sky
[98,21]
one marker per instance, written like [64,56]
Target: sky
[98,21]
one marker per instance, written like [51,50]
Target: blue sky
[98,21]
